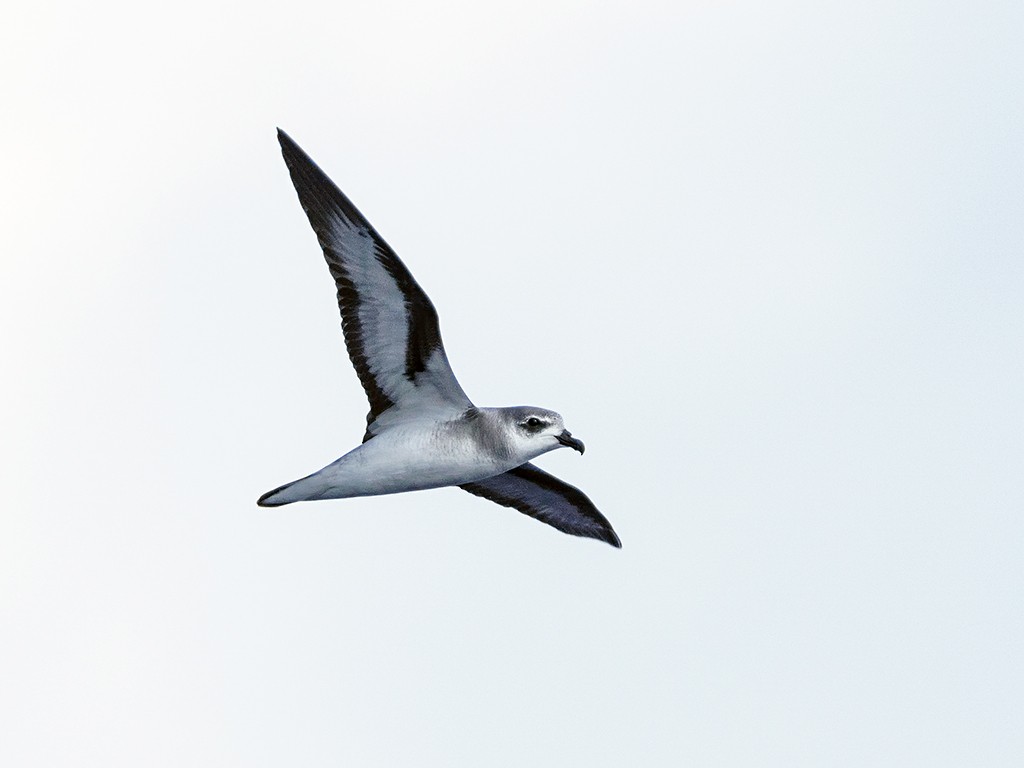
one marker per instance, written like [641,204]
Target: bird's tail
[305,489]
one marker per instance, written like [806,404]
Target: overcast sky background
[766,259]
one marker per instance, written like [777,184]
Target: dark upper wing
[391,329]
[542,496]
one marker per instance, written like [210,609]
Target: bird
[422,430]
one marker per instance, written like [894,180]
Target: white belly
[407,458]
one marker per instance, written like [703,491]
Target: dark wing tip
[571,511]
[285,140]
[602,532]
[319,196]
[292,152]
[299,163]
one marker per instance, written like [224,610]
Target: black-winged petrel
[422,430]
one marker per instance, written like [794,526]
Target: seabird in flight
[422,430]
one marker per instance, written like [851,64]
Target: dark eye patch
[533,423]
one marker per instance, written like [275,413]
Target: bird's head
[534,431]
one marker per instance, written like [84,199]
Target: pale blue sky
[766,261]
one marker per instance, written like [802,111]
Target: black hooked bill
[566,438]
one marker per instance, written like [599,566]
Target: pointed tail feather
[305,489]
[271,499]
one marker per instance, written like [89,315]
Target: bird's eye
[533,422]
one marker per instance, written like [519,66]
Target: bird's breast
[415,457]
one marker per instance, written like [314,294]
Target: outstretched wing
[542,496]
[390,326]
